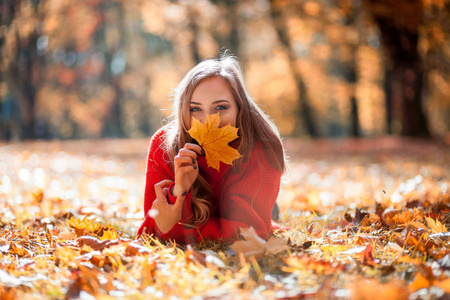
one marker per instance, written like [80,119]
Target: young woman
[187,201]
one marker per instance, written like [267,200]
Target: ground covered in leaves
[369,219]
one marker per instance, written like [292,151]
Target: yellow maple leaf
[109,234]
[85,224]
[214,140]
[435,225]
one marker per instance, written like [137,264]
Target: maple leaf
[435,225]
[109,234]
[85,224]
[256,246]
[214,140]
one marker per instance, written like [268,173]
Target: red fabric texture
[238,200]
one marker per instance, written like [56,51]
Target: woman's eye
[194,109]
[221,107]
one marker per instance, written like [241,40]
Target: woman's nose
[202,117]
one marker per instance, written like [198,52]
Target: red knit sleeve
[246,200]
[158,169]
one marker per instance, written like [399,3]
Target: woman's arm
[158,169]
[247,200]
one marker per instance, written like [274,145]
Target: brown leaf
[83,279]
[95,243]
[136,249]
[275,245]
[306,262]
[194,256]
[256,246]
[370,219]
[359,216]
[14,249]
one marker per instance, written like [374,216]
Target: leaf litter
[364,226]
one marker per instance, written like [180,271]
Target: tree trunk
[399,23]
[234,25]
[193,26]
[304,112]
[114,121]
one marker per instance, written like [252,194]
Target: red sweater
[238,200]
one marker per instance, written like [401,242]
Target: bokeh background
[106,68]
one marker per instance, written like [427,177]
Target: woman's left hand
[168,215]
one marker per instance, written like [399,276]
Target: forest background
[92,79]
[94,68]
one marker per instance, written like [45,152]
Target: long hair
[254,126]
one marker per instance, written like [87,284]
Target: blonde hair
[254,126]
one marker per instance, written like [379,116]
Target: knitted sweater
[238,200]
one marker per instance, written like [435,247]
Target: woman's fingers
[184,161]
[159,188]
[178,205]
[194,147]
[163,183]
[188,171]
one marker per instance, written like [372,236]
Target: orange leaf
[444,284]
[214,140]
[109,234]
[419,282]
[435,225]
[85,224]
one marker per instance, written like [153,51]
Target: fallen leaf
[368,259]
[307,262]
[37,195]
[214,140]
[371,289]
[435,225]
[14,249]
[192,255]
[95,243]
[409,260]
[256,246]
[444,284]
[419,282]
[109,234]
[136,249]
[83,279]
[275,245]
[85,224]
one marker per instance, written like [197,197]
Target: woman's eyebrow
[215,102]
[222,100]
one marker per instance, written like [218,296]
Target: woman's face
[211,96]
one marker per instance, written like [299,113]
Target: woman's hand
[186,168]
[167,214]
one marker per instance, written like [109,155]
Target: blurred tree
[304,110]
[114,61]
[96,68]
[352,19]
[399,22]
[22,65]
[231,41]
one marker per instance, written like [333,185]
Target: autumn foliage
[369,220]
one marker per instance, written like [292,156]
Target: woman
[187,201]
